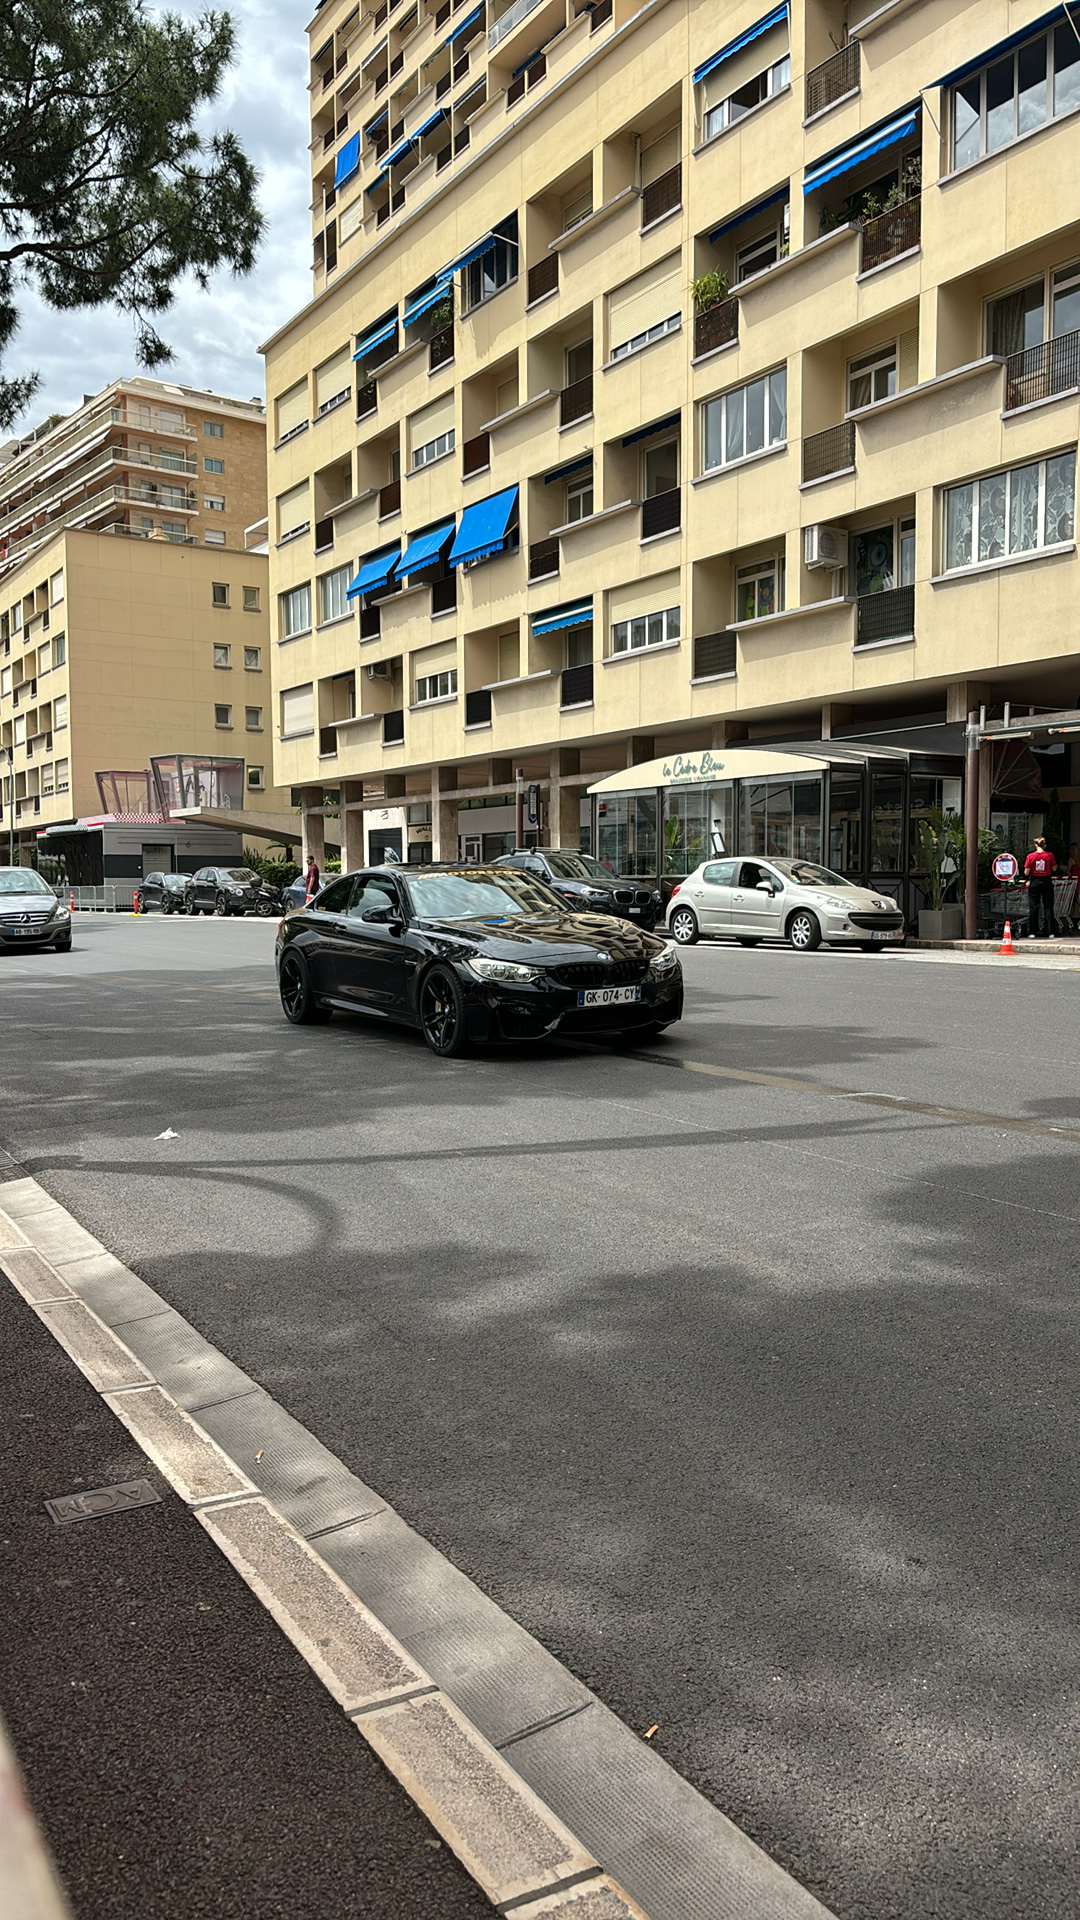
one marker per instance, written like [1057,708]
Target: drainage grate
[99,1502]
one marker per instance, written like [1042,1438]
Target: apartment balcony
[890,234]
[518,11]
[393,728]
[577,686]
[714,654]
[367,400]
[543,278]
[37,501]
[718,326]
[478,708]
[601,14]
[576,401]
[885,616]
[1038,373]
[171,426]
[830,452]
[834,80]
[441,348]
[662,513]
[476,454]
[661,197]
[543,559]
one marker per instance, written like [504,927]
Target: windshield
[240,873]
[22,880]
[576,866]
[808,874]
[480,896]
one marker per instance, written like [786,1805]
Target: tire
[748,939]
[683,926]
[64,946]
[803,931]
[166,908]
[221,907]
[298,1002]
[191,909]
[442,1014]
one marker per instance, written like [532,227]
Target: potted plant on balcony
[709,289]
[941,867]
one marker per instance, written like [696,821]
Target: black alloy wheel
[803,931]
[190,908]
[683,926]
[298,1002]
[166,905]
[64,945]
[221,907]
[442,1014]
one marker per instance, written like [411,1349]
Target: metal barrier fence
[116,896]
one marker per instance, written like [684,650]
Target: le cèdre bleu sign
[704,767]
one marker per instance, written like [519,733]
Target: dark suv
[585,883]
[222,890]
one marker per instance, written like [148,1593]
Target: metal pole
[519,804]
[971,829]
[11,806]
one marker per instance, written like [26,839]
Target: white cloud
[214,335]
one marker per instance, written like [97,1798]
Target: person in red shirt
[311,878]
[1039,869]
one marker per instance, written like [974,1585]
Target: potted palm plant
[941,866]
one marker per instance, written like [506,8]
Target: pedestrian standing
[1039,869]
[311,879]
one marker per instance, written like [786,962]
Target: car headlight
[598,898]
[501,969]
[841,906]
[61,913]
[665,962]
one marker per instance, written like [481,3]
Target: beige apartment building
[133,607]
[679,375]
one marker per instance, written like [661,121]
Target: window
[1016,94]
[47,778]
[659,469]
[220,592]
[759,589]
[255,777]
[62,777]
[646,630]
[214,502]
[1018,320]
[253,719]
[213,429]
[212,466]
[291,411]
[44,658]
[747,421]
[223,656]
[1019,511]
[579,498]
[16,618]
[333,382]
[174,530]
[297,711]
[765,249]
[214,537]
[762,87]
[293,512]
[56,587]
[222,716]
[872,377]
[20,729]
[60,712]
[436,686]
[496,268]
[576,208]
[645,308]
[332,589]
[253,659]
[433,449]
[431,431]
[251,599]
[5,682]
[59,650]
[295,611]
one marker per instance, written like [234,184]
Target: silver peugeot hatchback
[793,900]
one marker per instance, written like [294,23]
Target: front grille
[24,919]
[599,973]
[881,922]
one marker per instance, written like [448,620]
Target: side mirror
[765,886]
[383,916]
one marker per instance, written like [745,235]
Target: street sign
[532,805]
[1005,867]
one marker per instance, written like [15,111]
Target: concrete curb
[588,1823]
[29,1888]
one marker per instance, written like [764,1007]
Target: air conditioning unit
[825,547]
[379,670]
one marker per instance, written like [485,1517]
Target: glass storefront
[781,818]
[626,833]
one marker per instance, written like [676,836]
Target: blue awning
[572,466]
[395,154]
[463,26]
[431,121]
[483,528]
[478,248]
[378,120]
[425,549]
[348,161]
[1059,15]
[844,158]
[373,573]
[385,330]
[657,426]
[741,40]
[556,618]
[431,298]
[749,213]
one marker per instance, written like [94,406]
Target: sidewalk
[183,1761]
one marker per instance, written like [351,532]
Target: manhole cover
[98,1502]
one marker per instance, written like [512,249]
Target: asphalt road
[755,1404]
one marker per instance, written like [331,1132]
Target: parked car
[30,913]
[794,900]
[163,892]
[294,895]
[222,890]
[585,882]
[470,954]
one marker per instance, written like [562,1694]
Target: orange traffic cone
[1006,944]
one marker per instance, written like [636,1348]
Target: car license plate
[21,933]
[607,996]
[635,909]
[890,935]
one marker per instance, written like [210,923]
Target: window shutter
[644,596]
[732,74]
[660,156]
[434,659]
[292,408]
[643,302]
[431,421]
[297,709]
[293,510]
[333,377]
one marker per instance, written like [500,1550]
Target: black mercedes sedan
[471,954]
[586,884]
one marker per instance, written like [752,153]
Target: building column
[961,696]
[727,733]
[639,747]
[444,814]
[564,802]
[313,825]
[834,714]
[352,825]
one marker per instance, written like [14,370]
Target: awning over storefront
[843,159]
[483,528]
[741,40]
[424,550]
[707,767]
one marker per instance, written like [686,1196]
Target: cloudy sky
[214,335]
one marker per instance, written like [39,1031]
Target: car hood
[27,902]
[545,941]
[864,899]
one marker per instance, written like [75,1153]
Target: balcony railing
[478,708]
[543,559]
[324,535]
[830,452]
[716,327]
[393,728]
[327,741]
[601,14]
[444,594]
[892,233]
[476,454]
[441,348]
[836,77]
[461,139]
[389,498]
[1040,372]
[575,401]
[543,278]
[577,686]
[662,513]
[515,91]
[714,653]
[514,15]
[370,623]
[367,400]
[885,616]
[662,196]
